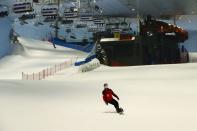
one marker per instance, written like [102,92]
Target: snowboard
[120,111]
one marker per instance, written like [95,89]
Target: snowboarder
[108,98]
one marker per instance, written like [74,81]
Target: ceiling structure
[141,7]
[158,7]
[144,7]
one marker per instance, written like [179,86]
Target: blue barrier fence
[78,46]
[88,59]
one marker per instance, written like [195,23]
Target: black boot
[116,105]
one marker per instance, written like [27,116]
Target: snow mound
[193,57]
[33,56]
[93,64]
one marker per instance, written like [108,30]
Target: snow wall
[5,27]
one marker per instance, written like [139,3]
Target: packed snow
[153,97]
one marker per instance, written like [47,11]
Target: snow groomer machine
[156,43]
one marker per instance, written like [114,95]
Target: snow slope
[34,56]
[5,27]
[153,97]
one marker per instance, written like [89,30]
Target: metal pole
[57,19]
[138,16]
[175,19]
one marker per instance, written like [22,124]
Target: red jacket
[108,95]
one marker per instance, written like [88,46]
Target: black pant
[116,105]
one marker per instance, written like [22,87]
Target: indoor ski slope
[155,98]
[160,97]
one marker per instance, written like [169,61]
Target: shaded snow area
[154,98]
[5,27]
[29,30]
[188,22]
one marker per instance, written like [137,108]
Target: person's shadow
[109,112]
[112,112]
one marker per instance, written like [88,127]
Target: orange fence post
[47,72]
[43,74]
